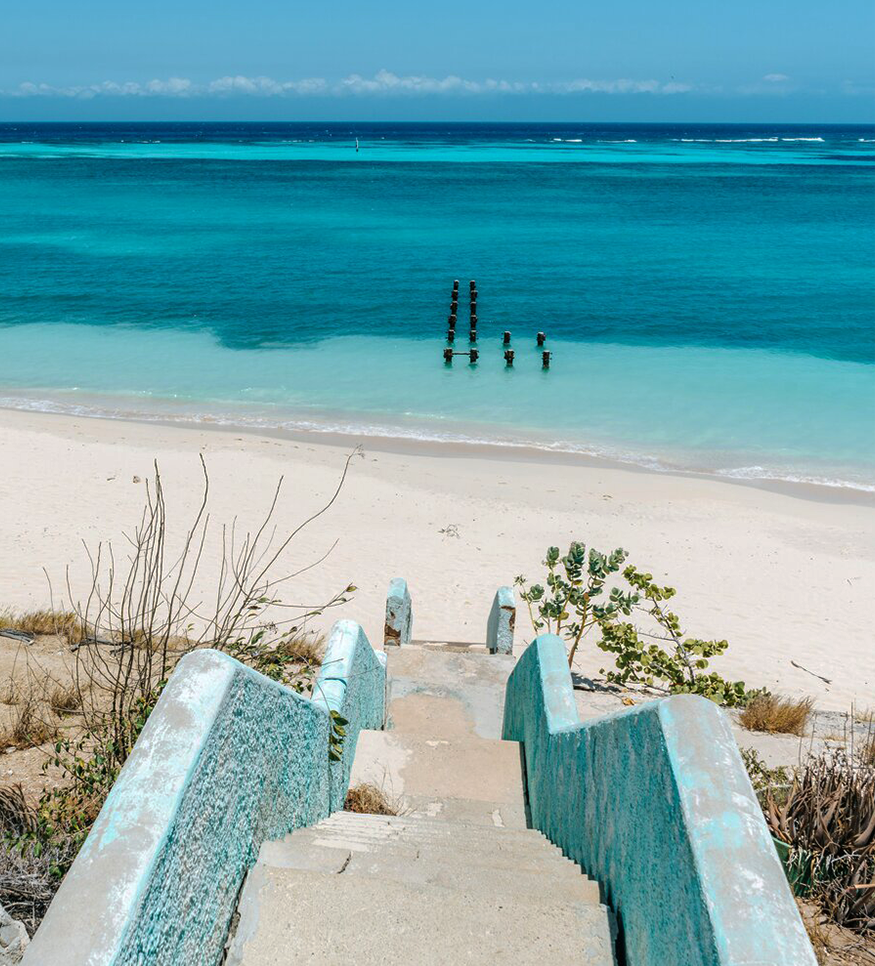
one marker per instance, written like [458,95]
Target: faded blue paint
[399,614]
[227,760]
[352,681]
[655,803]
[502,619]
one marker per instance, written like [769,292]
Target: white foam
[379,430]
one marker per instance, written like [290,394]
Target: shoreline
[499,450]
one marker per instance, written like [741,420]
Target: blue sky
[770,60]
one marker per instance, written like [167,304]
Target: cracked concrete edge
[502,620]
[399,615]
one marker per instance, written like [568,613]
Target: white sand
[783,577]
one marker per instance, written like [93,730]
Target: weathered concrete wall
[655,803]
[399,614]
[227,759]
[502,620]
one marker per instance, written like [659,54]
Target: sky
[627,60]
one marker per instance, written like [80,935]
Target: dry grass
[65,699]
[303,648]
[867,752]
[32,724]
[367,799]
[777,715]
[40,622]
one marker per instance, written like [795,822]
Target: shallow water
[707,291]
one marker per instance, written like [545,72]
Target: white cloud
[384,82]
[776,78]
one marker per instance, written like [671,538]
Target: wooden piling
[508,357]
[506,339]
[541,339]
[545,359]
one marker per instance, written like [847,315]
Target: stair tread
[343,918]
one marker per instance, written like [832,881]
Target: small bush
[582,592]
[828,818]
[367,799]
[32,725]
[65,699]
[777,715]
[16,816]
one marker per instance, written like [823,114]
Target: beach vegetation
[586,591]
[826,815]
[32,722]
[760,774]
[139,615]
[29,624]
[776,714]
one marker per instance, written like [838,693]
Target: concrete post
[502,618]
[399,614]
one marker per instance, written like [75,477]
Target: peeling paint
[654,802]
[227,760]
[502,620]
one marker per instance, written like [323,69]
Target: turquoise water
[707,291]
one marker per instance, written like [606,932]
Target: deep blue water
[707,289]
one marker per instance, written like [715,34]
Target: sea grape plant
[660,655]
[567,606]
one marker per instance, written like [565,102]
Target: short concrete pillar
[399,614]
[502,618]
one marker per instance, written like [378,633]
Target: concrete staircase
[457,877]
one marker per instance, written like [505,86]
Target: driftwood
[24,636]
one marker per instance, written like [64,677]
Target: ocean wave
[379,430]
[764,473]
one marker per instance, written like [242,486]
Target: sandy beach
[787,576]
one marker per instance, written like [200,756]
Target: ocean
[707,291]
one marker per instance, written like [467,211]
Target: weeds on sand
[761,776]
[827,816]
[143,616]
[867,753]
[777,715]
[367,799]
[65,699]
[66,624]
[32,724]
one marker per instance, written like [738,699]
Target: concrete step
[453,869]
[425,682]
[290,916]
[435,775]
[489,840]
[286,854]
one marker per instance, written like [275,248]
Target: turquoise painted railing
[227,759]
[655,803]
